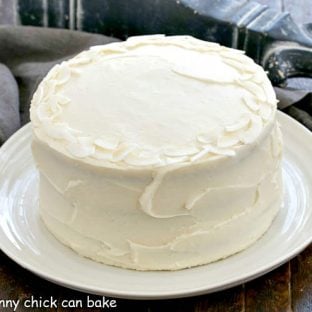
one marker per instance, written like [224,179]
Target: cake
[157,153]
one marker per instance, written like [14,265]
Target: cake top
[153,101]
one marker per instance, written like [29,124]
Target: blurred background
[253,26]
[74,14]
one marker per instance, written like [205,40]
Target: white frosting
[147,123]
[155,151]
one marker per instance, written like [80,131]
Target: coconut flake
[134,160]
[253,131]
[228,140]
[254,88]
[63,74]
[80,60]
[210,136]
[53,72]
[63,100]
[48,88]
[265,111]
[43,112]
[123,150]
[174,160]
[76,71]
[59,131]
[241,123]
[251,103]
[82,148]
[53,106]
[258,77]
[222,151]
[109,48]
[206,150]
[107,142]
[102,155]
[238,65]
[181,151]
[38,95]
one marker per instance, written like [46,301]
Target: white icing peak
[153,101]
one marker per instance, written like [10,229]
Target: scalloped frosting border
[47,105]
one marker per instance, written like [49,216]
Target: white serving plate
[24,238]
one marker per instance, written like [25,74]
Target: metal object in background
[271,38]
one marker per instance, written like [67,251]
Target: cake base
[233,237]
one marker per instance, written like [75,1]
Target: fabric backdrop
[27,53]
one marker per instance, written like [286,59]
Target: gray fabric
[9,103]
[27,53]
[297,104]
[288,97]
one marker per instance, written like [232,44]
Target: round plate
[24,238]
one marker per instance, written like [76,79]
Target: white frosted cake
[157,153]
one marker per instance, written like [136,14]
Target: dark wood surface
[287,288]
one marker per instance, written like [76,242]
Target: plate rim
[182,293]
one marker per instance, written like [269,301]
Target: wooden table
[288,288]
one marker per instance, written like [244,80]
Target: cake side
[195,215]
